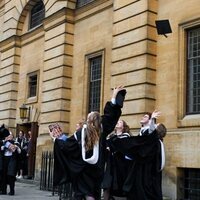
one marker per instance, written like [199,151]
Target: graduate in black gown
[117,164]
[143,181]
[80,158]
[3,134]
[11,151]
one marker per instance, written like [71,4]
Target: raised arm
[152,123]
[112,112]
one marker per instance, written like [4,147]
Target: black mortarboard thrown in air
[4,132]
[120,98]
[163,27]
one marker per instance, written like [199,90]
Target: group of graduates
[13,159]
[96,158]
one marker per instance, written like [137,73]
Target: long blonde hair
[93,130]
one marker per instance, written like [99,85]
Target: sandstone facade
[123,32]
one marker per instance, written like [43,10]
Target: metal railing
[46,178]
[46,175]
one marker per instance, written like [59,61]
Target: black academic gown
[1,165]
[116,170]
[69,166]
[144,178]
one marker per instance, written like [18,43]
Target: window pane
[37,14]
[95,84]
[189,184]
[32,86]
[193,72]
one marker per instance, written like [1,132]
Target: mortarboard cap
[163,27]
[120,98]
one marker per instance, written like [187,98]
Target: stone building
[60,58]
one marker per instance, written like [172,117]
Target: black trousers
[7,179]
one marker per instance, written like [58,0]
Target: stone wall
[150,66]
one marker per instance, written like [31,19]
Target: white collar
[162,155]
[94,158]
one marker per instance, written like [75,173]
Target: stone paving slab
[26,191]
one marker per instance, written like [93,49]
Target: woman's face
[120,124]
[78,126]
[29,133]
[20,134]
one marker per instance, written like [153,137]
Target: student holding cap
[79,159]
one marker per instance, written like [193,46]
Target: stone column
[58,54]
[134,55]
[57,75]
[9,76]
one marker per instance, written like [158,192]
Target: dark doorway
[33,128]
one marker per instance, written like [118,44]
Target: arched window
[37,14]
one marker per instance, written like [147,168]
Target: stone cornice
[91,5]
[32,35]
[13,41]
[92,9]
[18,41]
[62,16]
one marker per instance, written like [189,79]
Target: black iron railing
[46,178]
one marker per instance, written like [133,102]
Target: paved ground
[30,191]
[27,191]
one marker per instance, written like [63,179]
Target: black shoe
[3,193]
[11,193]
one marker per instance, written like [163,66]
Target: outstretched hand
[116,90]
[155,114]
[55,133]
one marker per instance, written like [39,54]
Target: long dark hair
[93,130]
[161,131]
[126,128]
